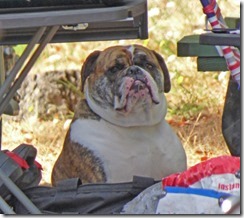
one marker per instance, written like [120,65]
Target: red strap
[38,165]
[22,162]
[19,160]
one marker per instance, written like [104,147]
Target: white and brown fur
[113,135]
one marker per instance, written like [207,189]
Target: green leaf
[180,80]
[19,49]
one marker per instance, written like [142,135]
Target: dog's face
[125,85]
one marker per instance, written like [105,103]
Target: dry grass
[195,101]
[201,138]
[47,137]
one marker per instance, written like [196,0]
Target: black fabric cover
[231,119]
[71,197]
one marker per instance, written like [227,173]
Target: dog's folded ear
[88,66]
[167,83]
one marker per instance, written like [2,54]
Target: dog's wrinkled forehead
[126,55]
[137,51]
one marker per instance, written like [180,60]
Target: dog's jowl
[119,130]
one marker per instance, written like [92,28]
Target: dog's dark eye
[149,66]
[116,68]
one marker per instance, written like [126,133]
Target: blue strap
[196,191]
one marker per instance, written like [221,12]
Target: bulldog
[119,130]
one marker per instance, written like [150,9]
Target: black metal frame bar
[10,91]
[128,21]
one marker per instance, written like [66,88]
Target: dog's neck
[135,118]
[83,111]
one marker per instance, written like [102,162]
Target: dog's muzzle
[136,87]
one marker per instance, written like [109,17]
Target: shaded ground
[201,138]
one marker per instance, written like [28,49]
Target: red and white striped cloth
[230,53]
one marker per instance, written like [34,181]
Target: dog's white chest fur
[153,151]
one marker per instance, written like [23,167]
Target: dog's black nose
[133,70]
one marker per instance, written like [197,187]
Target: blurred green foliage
[19,49]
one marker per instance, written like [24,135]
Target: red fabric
[210,8]
[38,165]
[236,55]
[213,9]
[217,165]
[215,23]
[227,50]
[22,162]
[19,160]
[234,66]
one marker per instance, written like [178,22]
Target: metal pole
[2,67]
[27,68]
[5,207]
[9,80]
[2,78]
[18,194]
